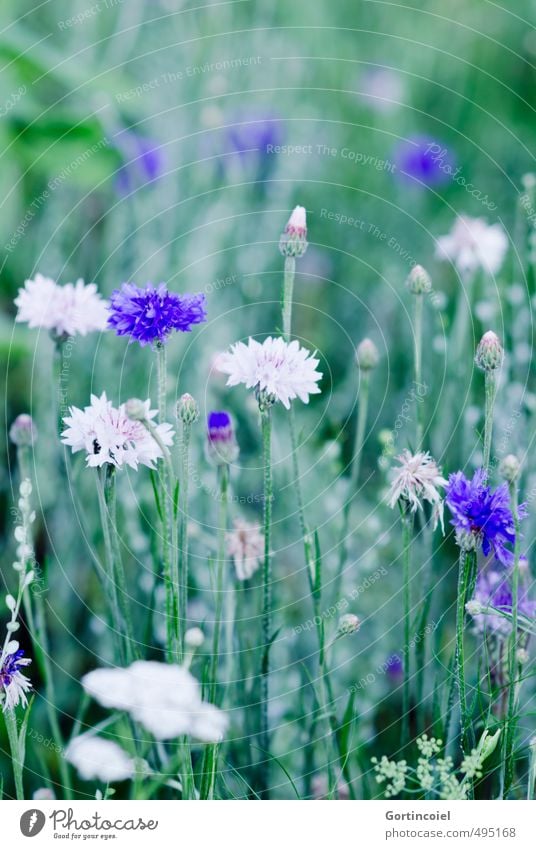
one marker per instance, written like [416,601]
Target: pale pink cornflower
[68,310]
[473,243]
[108,435]
[415,480]
[246,547]
[280,369]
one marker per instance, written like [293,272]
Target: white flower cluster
[67,310]
[100,759]
[164,698]
[393,772]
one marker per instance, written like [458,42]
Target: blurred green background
[162,141]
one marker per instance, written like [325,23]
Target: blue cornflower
[482,516]
[149,315]
[222,446]
[13,684]
[422,159]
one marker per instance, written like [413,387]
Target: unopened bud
[293,241]
[489,354]
[419,282]
[222,447]
[136,410]
[509,468]
[366,355]
[194,638]
[349,623]
[187,409]
[522,656]
[23,432]
[473,607]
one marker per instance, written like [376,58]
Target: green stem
[184,539]
[355,469]
[115,582]
[267,602]
[490,392]
[169,555]
[466,566]
[509,760]
[418,367]
[407,527]
[288,289]
[15,747]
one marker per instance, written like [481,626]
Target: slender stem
[267,601]
[509,760]
[169,555]
[355,469]
[15,747]
[407,527]
[288,289]
[490,392]
[184,539]
[418,367]
[466,565]
[115,582]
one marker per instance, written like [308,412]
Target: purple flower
[252,133]
[423,159]
[482,516]
[149,315]
[222,446]
[13,684]
[494,589]
[143,161]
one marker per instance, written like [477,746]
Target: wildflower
[473,243]
[143,160]
[23,432]
[245,545]
[251,137]
[349,623]
[108,435]
[43,794]
[482,516]
[417,479]
[366,355]
[493,592]
[222,447]
[281,370]
[187,409]
[489,353]
[293,241]
[393,772]
[13,684]
[382,89]
[509,468]
[150,315]
[419,282]
[100,759]
[164,698]
[63,310]
[422,159]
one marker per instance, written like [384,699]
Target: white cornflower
[246,546]
[67,310]
[108,435]
[417,479]
[13,684]
[473,243]
[164,698]
[100,759]
[282,370]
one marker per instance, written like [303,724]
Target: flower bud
[419,282]
[366,355]
[473,607]
[187,409]
[194,638]
[293,241]
[489,354]
[509,468]
[222,447]
[23,432]
[349,623]
[44,794]
[136,410]
[522,656]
